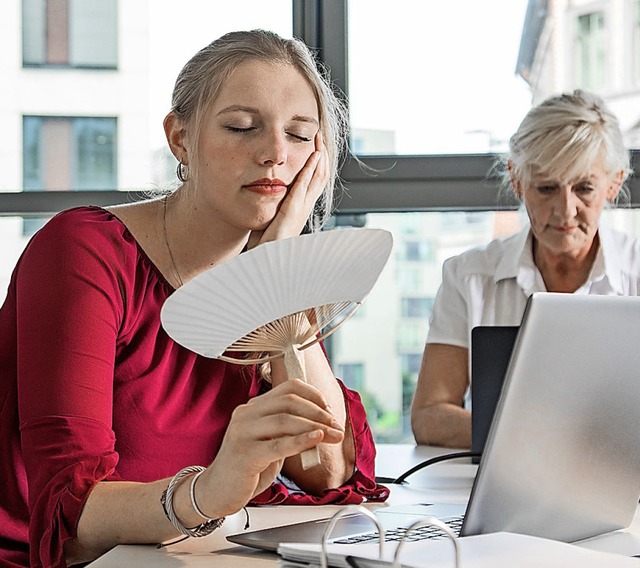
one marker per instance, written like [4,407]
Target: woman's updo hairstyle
[202,78]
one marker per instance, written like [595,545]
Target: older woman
[567,161]
[101,413]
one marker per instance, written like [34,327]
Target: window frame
[457,182]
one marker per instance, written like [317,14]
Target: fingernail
[315,435]
[335,424]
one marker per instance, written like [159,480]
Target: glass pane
[442,81]
[32,160]
[590,60]
[33,32]
[93,33]
[387,340]
[95,141]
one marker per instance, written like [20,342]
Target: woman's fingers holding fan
[261,435]
[287,419]
[296,400]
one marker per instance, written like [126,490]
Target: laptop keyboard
[395,535]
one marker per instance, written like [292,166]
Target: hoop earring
[182,171]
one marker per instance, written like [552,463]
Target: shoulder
[80,219]
[484,260]
[79,232]
[626,247]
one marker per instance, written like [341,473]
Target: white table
[447,482]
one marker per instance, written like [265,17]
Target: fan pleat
[272,281]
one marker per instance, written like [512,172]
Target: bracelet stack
[209,524]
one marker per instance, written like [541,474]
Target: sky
[439,73]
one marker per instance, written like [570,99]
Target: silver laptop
[562,458]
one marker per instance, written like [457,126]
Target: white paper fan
[275,299]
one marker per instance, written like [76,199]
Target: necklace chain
[166,240]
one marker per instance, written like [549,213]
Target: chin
[259,225]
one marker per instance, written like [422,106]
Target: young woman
[109,431]
[567,161]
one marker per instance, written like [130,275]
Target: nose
[273,149]
[566,203]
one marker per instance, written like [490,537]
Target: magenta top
[92,388]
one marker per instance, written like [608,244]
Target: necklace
[166,240]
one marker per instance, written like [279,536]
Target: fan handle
[294,364]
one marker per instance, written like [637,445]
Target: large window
[74,33]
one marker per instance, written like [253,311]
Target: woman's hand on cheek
[262,433]
[298,204]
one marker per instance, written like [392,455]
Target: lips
[266,182]
[267,186]
[565,229]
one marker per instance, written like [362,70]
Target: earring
[182,171]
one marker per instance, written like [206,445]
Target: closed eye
[300,137]
[238,129]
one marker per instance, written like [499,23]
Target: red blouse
[92,388]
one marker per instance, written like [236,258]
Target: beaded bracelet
[166,500]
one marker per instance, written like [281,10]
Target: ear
[516,184]
[615,187]
[176,134]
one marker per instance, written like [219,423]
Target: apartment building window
[352,375]
[69,33]
[67,153]
[590,51]
[416,307]
[418,251]
[411,336]
[62,153]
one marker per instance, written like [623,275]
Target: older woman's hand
[283,422]
[298,204]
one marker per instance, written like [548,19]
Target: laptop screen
[491,348]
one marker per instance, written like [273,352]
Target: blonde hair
[202,78]
[562,136]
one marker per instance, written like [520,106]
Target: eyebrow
[251,110]
[543,179]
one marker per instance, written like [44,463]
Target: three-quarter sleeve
[359,487]
[68,307]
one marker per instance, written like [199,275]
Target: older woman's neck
[565,272]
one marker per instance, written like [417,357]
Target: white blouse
[489,285]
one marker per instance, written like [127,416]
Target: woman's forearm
[337,461]
[121,512]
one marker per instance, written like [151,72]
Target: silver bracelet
[166,500]
[192,494]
